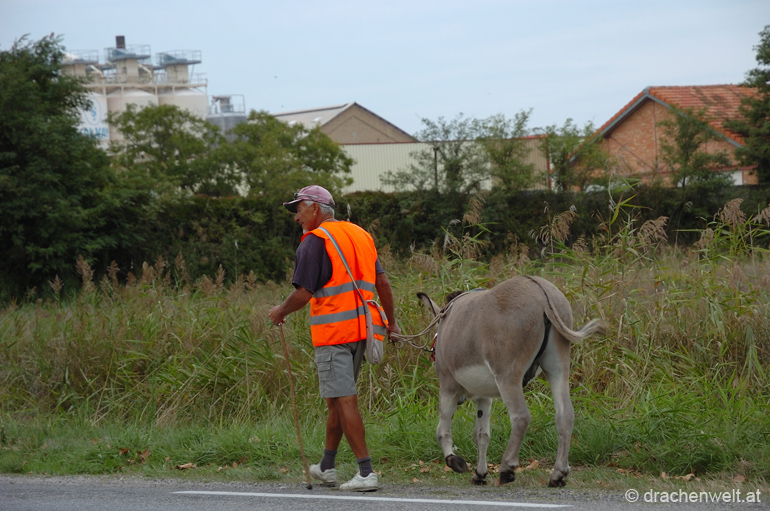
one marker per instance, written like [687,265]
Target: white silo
[118,100]
[192,100]
[93,121]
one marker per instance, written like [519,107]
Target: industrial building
[130,74]
[349,123]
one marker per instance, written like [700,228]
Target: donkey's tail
[594,326]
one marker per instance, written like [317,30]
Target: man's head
[312,193]
[311,206]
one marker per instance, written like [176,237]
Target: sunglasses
[303,195]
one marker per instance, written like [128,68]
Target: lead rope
[400,338]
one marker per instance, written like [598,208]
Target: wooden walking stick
[294,404]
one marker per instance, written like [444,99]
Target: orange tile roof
[720,102]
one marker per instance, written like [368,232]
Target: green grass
[196,373]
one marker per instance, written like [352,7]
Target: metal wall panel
[374,160]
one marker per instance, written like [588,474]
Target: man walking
[337,324]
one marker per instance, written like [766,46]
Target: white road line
[374,499]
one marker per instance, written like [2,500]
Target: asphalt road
[91,493]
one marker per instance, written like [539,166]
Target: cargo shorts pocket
[323,362]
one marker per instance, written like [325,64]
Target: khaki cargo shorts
[338,367]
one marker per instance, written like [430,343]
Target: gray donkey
[489,344]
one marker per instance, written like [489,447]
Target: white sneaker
[327,476]
[358,483]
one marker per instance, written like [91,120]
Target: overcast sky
[408,60]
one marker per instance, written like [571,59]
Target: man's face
[307,216]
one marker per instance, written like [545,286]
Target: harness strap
[433,348]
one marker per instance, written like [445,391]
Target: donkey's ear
[430,304]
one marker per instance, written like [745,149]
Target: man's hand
[294,302]
[276,316]
[394,329]
[385,292]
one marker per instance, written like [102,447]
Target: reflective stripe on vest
[344,288]
[327,319]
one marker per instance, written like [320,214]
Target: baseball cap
[313,193]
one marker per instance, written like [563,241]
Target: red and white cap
[312,193]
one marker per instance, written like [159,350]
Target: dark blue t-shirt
[312,265]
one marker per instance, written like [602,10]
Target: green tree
[575,154]
[276,158]
[507,151]
[454,162]
[173,148]
[684,150]
[53,203]
[755,124]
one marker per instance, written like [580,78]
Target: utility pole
[435,165]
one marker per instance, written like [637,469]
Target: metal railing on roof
[178,57]
[140,52]
[81,57]
[163,78]
[227,104]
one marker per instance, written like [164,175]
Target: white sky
[407,60]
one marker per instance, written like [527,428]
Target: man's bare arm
[294,302]
[385,292]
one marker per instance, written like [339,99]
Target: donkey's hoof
[558,478]
[478,479]
[456,463]
[507,477]
[559,483]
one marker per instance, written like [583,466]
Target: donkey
[489,344]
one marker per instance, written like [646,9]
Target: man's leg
[343,363]
[350,422]
[333,436]
[343,419]
[333,425]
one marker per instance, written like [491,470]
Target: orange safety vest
[336,311]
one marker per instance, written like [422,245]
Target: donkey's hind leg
[448,397]
[512,394]
[481,437]
[556,367]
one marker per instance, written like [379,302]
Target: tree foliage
[454,162]
[171,148]
[508,152]
[53,179]
[264,157]
[684,150]
[755,110]
[575,155]
[276,158]
[463,153]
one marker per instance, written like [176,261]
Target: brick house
[633,135]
